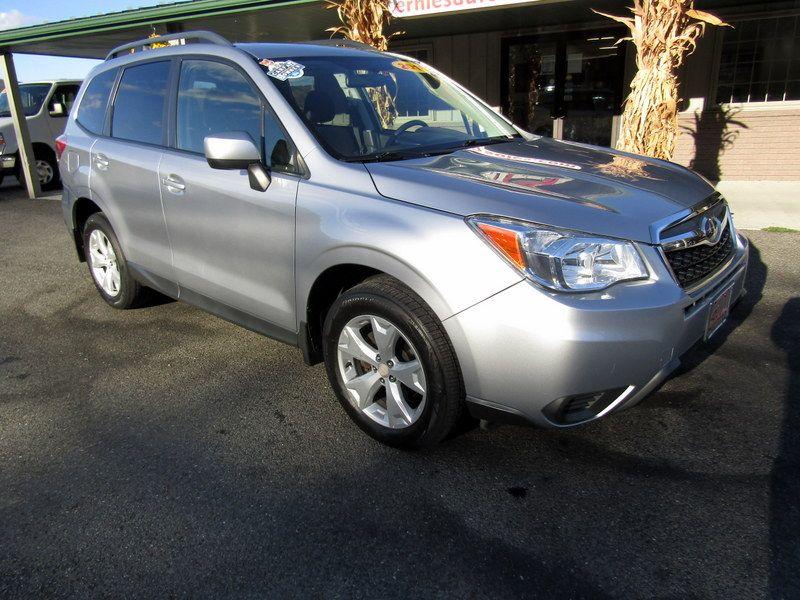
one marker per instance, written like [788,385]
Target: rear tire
[412,396]
[108,267]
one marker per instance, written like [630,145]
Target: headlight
[561,260]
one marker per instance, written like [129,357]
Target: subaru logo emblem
[711,229]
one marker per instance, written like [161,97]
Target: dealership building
[553,66]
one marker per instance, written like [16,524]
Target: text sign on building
[417,8]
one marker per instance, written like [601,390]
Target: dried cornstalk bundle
[625,166]
[664,32]
[384,104]
[155,45]
[363,21]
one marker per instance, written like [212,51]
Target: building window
[760,61]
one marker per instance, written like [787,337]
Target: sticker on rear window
[283,69]
[407,65]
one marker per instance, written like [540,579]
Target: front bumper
[526,352]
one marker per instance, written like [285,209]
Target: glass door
[531,84]
[569,83]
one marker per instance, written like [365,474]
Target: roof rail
[342,43]
[206,36]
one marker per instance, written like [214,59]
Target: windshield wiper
[408,153]
[389,155]
[500,139]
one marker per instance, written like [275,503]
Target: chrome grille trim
[708,224]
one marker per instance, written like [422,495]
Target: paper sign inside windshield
[283,69]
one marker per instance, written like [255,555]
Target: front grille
[694,264]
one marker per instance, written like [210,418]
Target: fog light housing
[572,410]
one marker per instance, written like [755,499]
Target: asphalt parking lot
[164,452]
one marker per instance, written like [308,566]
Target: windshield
[382,107]
[33,96]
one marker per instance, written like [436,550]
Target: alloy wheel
[103,262]
[44,171]
[382,372]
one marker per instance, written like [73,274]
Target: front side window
[65,96]
[382,107]
[139,104]
[92,109]
[214,98]
[32,96]
[760,61]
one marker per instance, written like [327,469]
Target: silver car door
[231,244]
[124,168]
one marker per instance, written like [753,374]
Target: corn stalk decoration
[155,45]
[664,33]
[364,21]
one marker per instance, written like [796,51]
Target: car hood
[562,184]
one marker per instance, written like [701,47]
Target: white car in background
[46,105]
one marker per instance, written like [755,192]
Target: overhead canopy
[287,20]
[280,21]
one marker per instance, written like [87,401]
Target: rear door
[230,244]
[124,167]
[90,122]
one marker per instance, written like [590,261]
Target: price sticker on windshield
[283,69]
[407,65]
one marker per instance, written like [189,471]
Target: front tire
[108,267]
[47,171]
[391,364]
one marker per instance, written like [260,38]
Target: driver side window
[64,95]
[216,98]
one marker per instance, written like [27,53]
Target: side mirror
[57,110]
[235,150]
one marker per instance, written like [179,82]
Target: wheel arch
[82,209]
[42,149]
[339,273]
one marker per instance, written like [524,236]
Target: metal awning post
[27,166]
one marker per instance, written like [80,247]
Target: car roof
[297,50]
[50,81]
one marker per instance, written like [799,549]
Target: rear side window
[92,110]
[214,98]
[139,104]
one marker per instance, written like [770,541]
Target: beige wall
[739,142]
[742,143]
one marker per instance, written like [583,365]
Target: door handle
[174,184]
[101,162]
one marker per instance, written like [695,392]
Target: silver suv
[369,210]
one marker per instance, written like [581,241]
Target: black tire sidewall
[355,303]
[128,285]
[55,182]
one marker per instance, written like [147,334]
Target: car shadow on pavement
[784,507]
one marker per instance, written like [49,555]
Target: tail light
[61,145]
